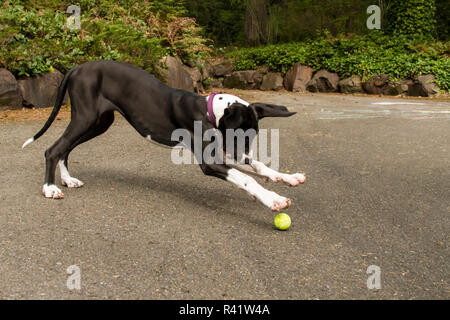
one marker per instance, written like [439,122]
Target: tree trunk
[256,22]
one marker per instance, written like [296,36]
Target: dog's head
[239,116]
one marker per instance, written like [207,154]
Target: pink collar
[212,116]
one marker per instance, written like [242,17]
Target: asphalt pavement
[377,194]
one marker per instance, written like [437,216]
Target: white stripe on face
[223,101]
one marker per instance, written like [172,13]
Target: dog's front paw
[70,182]
[281,203]
[276,202]
[293,180]
[52,191]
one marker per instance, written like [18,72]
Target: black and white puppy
[155,110]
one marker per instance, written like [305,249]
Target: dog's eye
[221,98]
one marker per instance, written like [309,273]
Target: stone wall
[201,76]
[302,78]
[38,92]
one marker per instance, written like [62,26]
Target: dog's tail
[59,100]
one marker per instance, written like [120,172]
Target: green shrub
[412,17]
[366,56]
[34,36]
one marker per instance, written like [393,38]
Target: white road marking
[398,103]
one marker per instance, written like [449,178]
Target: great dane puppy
[155,110]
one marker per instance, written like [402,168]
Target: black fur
[99,88]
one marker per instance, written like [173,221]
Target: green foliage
[298,20]
[34,36]
[412,17]
[223,21]
[443,19]
[288,20]
[366,56]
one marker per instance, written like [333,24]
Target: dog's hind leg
[101,126]
[76,129]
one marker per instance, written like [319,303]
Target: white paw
[52,191]
[276,202]
[71,182]
[280,203]
[293,180]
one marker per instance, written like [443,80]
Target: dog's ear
[264,110]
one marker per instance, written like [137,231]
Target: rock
[210,83]
[391,89]
[197,78]
[190,63]
[404,85]
[195,74]
[207,83]
[395,88]
[423,86]
[217,82]
[272,81]
[377,84]
[235,80]
[10,97]
[40,91]
[351,85]
[205,68]
[176,75]
[323,81]
[263,69]
[221,68]
[250,79]
[298,77]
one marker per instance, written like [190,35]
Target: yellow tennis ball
[282,221]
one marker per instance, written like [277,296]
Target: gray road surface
[378,193]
